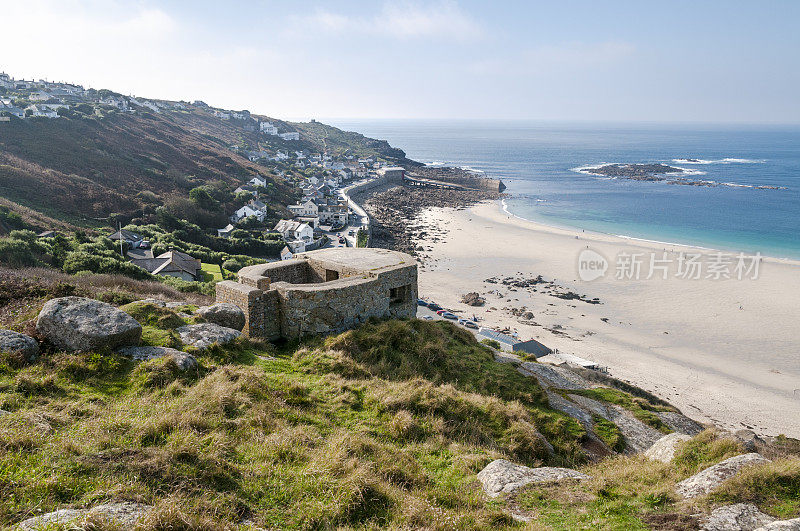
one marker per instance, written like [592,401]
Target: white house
[286,254]
[6,81]
[44,112]
[254,208]
[268,128]
[292,135]
[223,115]
[307,208]
[40,96]
[225,232]
[119,103]
[10,109]
[295,231]
[258,180]
[333,214]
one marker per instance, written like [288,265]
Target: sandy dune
[723,350]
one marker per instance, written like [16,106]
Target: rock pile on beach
[394,214]
[473,299]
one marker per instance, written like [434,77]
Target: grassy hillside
[82,168]
[383,426]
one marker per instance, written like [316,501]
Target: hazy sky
[642,60]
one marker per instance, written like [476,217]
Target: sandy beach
[722,350]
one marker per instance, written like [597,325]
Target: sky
[708,61]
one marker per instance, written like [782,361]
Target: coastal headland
[722,350]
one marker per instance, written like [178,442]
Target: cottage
[286,254]
[41,111]
[226,231]
[8,109]
[131,238]
[294,231]
[254,208]
[171,264]
[258,180]
[506,342]
[292,135]
[267,128]
[306,208]
[249,188]
[333,214]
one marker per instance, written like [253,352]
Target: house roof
[126,235]
[169,262]
[497,336]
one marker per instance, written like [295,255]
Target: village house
[295,231]
[119,103]
[333,214]
[6,81]
[40,96]
[8,108]
[131,238]
[268,128]
[249,188]
[171,264]
[226,231]
[286,253]
[41,111]
[306,208]
[258,181]
[292,135]
[254,208]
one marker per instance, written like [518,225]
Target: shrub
[232,265]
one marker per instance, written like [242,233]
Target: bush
[232,265]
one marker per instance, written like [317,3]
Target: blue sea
[538,162]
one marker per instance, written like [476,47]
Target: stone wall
[322,292]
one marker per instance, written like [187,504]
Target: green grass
[211,272]
[385,426]
[639,407]
[609,433]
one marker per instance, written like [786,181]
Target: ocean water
[538,163]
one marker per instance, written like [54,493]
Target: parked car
[448,315]
[144,244]
[470,324]
[421,302]
[427,317]
[440,312]
[433,306]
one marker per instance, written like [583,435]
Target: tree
[203,199]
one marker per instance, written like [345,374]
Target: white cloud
[401,20]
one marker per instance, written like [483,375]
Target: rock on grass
[712,477]
[80,324]
[122,515]
[504,477]
[739,516]
[204,335]
[19,344]
[183,360]
[223,314]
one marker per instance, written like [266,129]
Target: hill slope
[84,167]
[383,426]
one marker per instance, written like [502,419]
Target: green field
[212,272]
